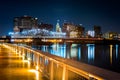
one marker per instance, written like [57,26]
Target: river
[105,56]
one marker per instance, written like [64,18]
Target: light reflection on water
[59,50]
[111,53]
[91,52]
[117,51]
[101,55]
[79,53]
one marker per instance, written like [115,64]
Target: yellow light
[26,61]
[111,49]
[23,56]
[36,73]
[37,67]
[32,70]
[90,75]
[60,40]
[29,59]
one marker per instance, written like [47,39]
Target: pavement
[13,67]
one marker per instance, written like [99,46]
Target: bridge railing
[53,67]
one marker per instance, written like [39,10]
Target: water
[100,55]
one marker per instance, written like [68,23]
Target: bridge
[56,39]
[43,35]
[18,62]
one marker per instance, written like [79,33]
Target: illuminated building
[73,34]
[80,30]
[25,22]
[118,36]
[110,35]
[46,26]
[16,29]
[73,30]
[67,28]
[90,33]
[58,29]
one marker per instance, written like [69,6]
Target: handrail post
[51,70]
[64,74]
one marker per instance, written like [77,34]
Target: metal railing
[53,67]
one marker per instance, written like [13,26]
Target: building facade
[110,35]
[25,22]
[98,32]
[46,26]
[80,31]
[68,28]
[58,28]
[73,30]
[90,34]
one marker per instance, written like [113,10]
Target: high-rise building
[25,22]
[46,26]
[80,30]
[98,32]
[73,30]
[67,28]
[58,29]
[90,34]
[110,35]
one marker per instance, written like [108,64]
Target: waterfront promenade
[12,67]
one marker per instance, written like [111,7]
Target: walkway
[12,67]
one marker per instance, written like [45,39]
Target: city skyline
[88,13]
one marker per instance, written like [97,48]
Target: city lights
[60,40]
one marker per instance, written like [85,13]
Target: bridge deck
[12,67]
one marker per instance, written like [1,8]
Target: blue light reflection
[91,52]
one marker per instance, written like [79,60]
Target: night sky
[105,13]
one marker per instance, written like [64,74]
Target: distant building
[110,35]
[80,30]
[90,34]
[73,30]
[25,22]
[46,26]
[67,28]
[58,28]
[118,36]
[98,32]
[16,29]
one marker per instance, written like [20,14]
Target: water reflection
[59,50]
[79,52]
[91,52]
[111,50]
[101,55]
[45,48]
[74,50]
[116,51]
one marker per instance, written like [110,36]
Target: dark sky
[105,13]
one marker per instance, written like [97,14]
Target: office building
[80,30]
[58,28]
[46,26]
[110,35]
[25,23]
[98,32]
[73,30]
